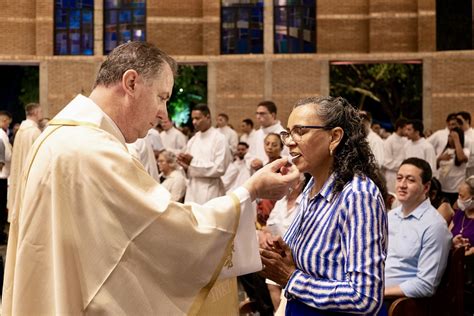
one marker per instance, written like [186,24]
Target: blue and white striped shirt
[339,244]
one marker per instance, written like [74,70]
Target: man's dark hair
[243,144]
[145,58]
[225,116]
[426,173]
[417,126]
[248,122]
[466,116]
[6,113]
[270,105]
[450,117]
[400,123]
[203,108]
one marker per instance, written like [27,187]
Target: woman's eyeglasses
[297,132]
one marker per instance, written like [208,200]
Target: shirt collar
[418,212]
[326,191]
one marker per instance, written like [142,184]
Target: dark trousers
[257,291]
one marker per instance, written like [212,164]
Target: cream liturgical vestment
[24,138]
[93,233]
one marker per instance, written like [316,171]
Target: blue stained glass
[139,16]
[125,17]
[86,17]
[74,19]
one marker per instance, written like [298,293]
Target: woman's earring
[330,151]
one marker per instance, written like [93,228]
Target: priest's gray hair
[145,58]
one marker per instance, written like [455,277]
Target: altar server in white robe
[230,134]
[206,158]
[417,146]
[24,138]
[173,139]
[394,154]
[142,149]
[93,233]
[266,117]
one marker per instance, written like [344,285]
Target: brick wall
[342,26]
[66,77]
[18,27]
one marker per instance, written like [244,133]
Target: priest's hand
[278,264]
[273,180]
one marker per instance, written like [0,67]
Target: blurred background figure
[452,164]
[171,176]
[440,202]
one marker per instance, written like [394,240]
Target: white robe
[173,140]
[393,157]
[95,234]
[24,138]
[237,173]
[376,145]
[211,157]
[231,136]
[421,149]
[142,150]
[248,138]
[439,140]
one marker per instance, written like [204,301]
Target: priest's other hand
[272,181]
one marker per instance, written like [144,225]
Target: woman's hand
[278,264]
[460,242]
[445,156]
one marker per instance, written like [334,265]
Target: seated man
[419,240]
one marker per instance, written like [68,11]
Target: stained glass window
[294,26]
[124,20]
[74,27]
[242,27]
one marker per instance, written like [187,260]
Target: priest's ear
[129,80]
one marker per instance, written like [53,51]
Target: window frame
[236,8]
[133,25]
[67,12]
[291,8]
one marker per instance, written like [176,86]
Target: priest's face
[150,101]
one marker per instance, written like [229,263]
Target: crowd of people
[329,213]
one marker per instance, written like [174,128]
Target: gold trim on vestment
[202,295]
[71,123]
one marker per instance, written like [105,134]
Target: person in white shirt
[154,138]
[452,164]
[375,141]
[393,153]
[465,118]
[239,170]
[172,138]
[248,133]
[229,133]
[266,116]
[417,146]
[142,150]
[171,176]
[439,139]
[5,120]
[206,158]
